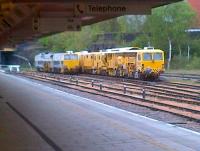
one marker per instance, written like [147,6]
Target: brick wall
[196,6]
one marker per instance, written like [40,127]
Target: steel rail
[186,108]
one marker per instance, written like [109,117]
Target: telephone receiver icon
[79,9]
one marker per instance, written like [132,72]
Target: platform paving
[37,117]
[16,135]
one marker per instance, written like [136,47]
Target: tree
[168,22]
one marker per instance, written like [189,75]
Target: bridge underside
[22,20]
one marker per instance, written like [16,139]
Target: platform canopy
[22,20]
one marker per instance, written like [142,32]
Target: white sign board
[46,25]
[109,9]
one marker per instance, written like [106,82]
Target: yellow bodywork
[155,65]
[92,62]
[122,63]
[66,63]
[126,62]
[70,66]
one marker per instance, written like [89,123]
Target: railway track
[194,77]
[183,101]
[176,84]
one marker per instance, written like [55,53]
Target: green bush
[183,63]
[194,63]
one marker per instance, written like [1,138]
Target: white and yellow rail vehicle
[134,62]
[57,62]
[145,63]
[44,62]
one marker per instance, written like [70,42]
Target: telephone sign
[107,9]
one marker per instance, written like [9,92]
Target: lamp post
[170,53]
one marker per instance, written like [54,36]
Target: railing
[10,68]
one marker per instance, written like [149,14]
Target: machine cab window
[74,57]
[147,56]
[71,57]
[158,56]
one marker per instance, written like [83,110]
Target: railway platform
[36,117]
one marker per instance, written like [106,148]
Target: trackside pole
[124,89]
[77,81]
[100,86]
[143,93]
